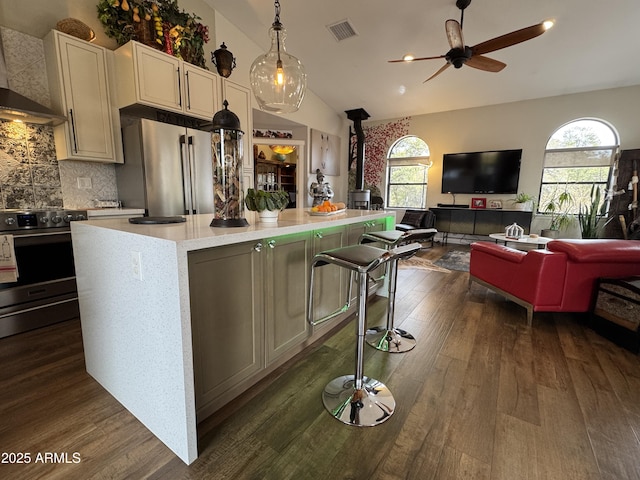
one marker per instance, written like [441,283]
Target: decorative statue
[320,190]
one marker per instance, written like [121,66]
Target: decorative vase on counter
[227,153]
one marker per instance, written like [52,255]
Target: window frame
[604,185]
[423,161]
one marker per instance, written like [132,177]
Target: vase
[547,232]
[268,216]
[523,206]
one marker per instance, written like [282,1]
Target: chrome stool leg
[355,399]
[389,338]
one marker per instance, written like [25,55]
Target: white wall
[527,125]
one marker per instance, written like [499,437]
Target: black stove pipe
[357,116]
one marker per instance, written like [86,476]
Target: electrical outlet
[84,183]
[136,265]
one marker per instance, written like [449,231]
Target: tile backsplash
[30,174]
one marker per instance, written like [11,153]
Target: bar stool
[356,399]
[390,338]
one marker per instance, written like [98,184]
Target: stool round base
[394,340]
[366,407]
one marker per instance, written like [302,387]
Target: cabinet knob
[271,243]
[319,235]
[258,247]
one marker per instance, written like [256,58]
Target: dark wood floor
[481,397]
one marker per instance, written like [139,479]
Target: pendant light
[278,80]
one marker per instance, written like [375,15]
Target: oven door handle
[31,235]
[41,238]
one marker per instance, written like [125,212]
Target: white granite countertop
[196,233]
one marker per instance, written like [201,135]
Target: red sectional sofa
[562,278]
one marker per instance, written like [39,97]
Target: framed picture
[325,151]
[495,204]
[478,203]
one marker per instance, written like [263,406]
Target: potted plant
[268,204]
[589,215]
[523,201]
[559,207]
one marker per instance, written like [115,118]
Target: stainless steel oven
[45,291]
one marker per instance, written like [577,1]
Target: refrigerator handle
[192,170]
[186,175]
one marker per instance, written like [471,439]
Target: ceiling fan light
[408,57]
[547,24]
[278,79]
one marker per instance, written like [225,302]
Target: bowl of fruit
[328,208]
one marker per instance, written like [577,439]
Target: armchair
[562,278]
[421,223]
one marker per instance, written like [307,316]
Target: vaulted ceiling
[594,45]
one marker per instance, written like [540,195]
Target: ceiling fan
[460,54]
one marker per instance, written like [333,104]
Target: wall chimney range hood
[14,106]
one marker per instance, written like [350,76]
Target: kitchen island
[180,319]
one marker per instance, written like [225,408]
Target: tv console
[478,221]
[454,205]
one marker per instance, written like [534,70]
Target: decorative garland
[157,23]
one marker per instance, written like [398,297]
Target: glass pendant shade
[278,80]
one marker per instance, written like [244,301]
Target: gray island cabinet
[180,319]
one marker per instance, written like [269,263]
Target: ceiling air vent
[342,30]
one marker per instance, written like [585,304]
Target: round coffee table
[540,242]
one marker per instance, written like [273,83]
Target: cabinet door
[463,221]
[159,78]
[85,100]
[488,221]
[201,89]
[330,281]
[239,99]
[286,288]
[226,290]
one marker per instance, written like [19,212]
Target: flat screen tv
[481,172]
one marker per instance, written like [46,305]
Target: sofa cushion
[597,250]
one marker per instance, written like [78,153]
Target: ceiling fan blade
[509,39]
[444,67]
[454,33]
[485,63]
[402,60]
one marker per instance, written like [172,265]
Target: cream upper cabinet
[150,77]
[239,99]
[78,77]
[201,92]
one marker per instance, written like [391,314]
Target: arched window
[408,163]
[579,154]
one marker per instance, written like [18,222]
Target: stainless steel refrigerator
[167,169]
